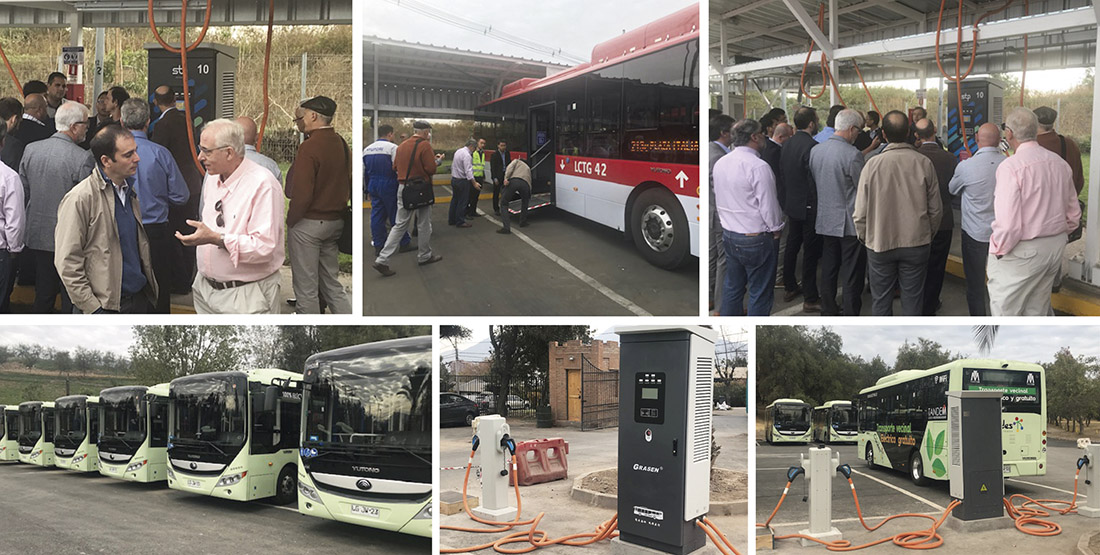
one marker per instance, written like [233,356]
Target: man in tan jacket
[102,252]
[517,181]
[898,210]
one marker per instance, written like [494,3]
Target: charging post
[1091,469]
[975,460]
[820,468]
[495,459]
[666,389]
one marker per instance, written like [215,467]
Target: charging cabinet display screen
[649,397]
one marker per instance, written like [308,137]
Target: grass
[17,387]
[346,260]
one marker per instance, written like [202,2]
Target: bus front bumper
[135,471]
[209,485]
[407,518]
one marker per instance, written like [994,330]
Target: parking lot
[559,265]
[58,512]
[588,451]
[884,492]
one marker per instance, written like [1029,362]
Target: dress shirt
[975,179]
[824,134]
[462,167]
[744,191]
[836,165]
[12,212]
[159,181]
[1034,198]
[252,204]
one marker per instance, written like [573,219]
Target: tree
[1071,394]
[28,354]
[522,353]
[922,355]
[452,334]
[83,359]
[985,337]
[163,353]
[63,362]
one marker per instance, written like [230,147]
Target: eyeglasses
[300,118]
[209,151]
[221,216]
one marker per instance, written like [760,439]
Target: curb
[608,501]
[1083,543]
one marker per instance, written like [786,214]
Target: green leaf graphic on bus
[939,442]
[937,468]
[928,446]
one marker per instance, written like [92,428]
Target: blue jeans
[383,210]
[750,262]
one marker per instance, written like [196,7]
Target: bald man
[251,133]
[35,126]
[945,163]
[975,179]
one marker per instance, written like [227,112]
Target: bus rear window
[1020,389]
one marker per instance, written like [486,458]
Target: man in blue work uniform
[381,187]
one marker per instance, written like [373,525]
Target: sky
[1014,342]
[574,26]
[116,339]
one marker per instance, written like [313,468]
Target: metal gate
[599,397]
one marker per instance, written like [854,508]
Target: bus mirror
[271,394]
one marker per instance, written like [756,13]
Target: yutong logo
[364,484]
[367,469]
[644,468]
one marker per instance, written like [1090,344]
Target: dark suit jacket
[171,133]
[772,151]
[30,131]
[794,171]
[12,152]
[497,165]
[945,164]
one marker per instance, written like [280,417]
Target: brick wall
[566,356]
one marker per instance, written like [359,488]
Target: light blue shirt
[744,192]
[159,182]
[824,134]
[976,178]
[264,161]
[462,167]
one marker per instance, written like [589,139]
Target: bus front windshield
[72,419]
[123,428]
[844,418]
[11,422]
[792,417]
[372,404]
[210,411]
[30,425]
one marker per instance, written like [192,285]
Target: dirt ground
[725,485]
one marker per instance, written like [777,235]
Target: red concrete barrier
[541,460]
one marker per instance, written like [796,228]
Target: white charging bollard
[820,468]
[1091,475]
[497,497]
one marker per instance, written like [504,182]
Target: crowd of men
[867,200]
[113,212]
[390,164]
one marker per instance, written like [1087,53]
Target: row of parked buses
[349,439]
[901,422]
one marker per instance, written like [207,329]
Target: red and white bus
[616,140]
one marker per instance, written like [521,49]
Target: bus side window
[158,423]
[93,425]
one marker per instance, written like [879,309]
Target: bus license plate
[194,484]
[365,511]
[112,470]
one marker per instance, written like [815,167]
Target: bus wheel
[916,469]
[660,228]
[286,489]
[870,455]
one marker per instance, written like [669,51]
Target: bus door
[540,156]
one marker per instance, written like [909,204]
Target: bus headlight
[137,466]
[35,454]
[80,458]
[171,474]
[230,480]
[426,513]
[309,492]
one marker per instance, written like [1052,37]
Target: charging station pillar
[1091,508]
[666,390]
[497,496]
[820,468]
[974,454]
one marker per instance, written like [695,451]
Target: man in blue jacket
[381,187]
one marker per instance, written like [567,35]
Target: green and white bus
[835,422]
[367,436]
[76,443]
[9,433]
[787,421]
[134,445]
[903,417]
[36,430]
[234,435]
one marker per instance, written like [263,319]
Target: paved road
[559,265]
[52,511]
[885,492]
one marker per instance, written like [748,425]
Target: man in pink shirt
[1035,208]
[239,242]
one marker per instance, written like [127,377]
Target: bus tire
[286,488]
[916,469]
[869,456]
[659,228]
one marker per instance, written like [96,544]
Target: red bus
[616,140]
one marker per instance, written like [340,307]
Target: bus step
[541,200]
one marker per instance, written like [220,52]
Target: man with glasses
[102,250]
[239,240]
[49,169]
[752,221]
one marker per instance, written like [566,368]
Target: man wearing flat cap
[414,159]
[319,183]
[1063,146]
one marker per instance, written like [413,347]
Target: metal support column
[1087,270]
[100,40]
[374,101]
[833,38]
[722,61]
